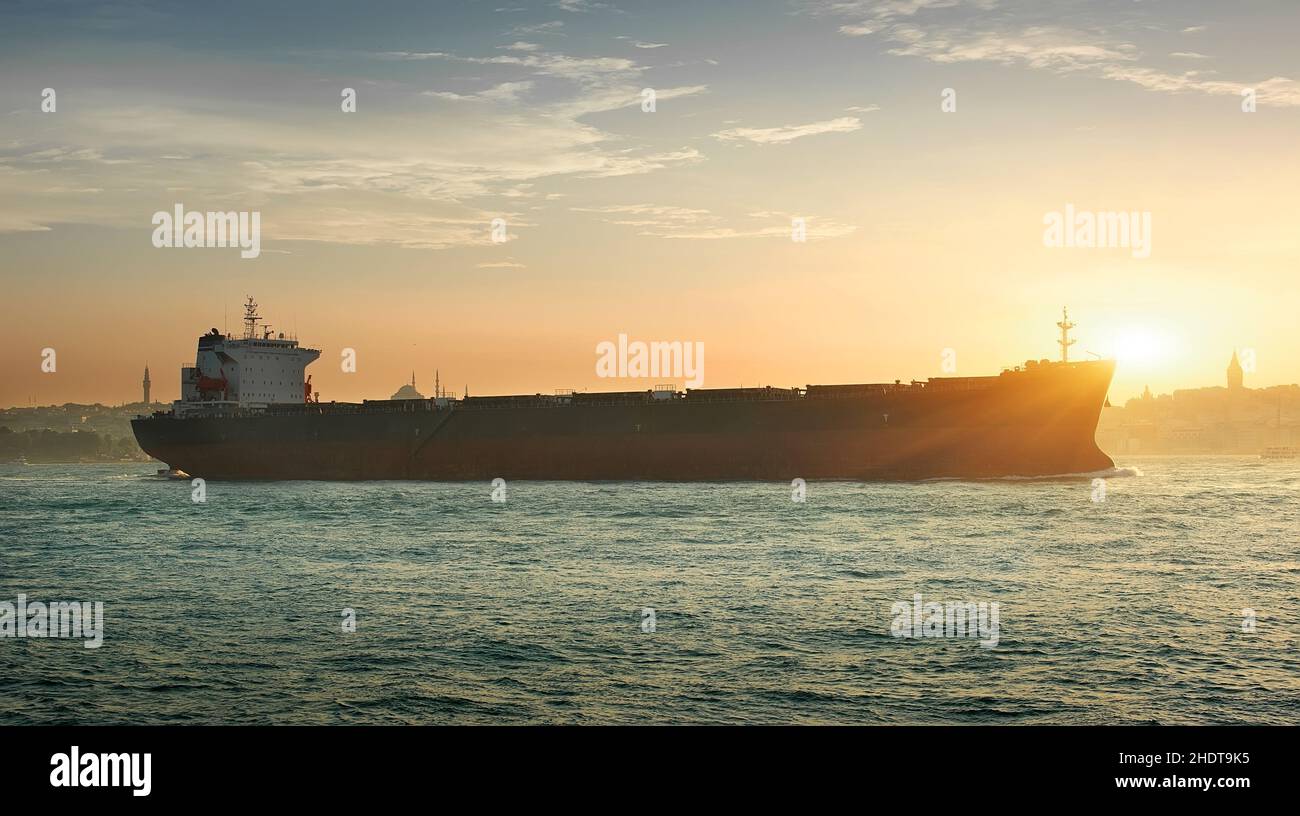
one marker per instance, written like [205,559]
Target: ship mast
[1065,342]
[250,319]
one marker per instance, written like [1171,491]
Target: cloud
[944,31]
[13,222]
[553,27]
[407,228]
[872,15]
[606,83]
[502,92]
[628,165]
[561,66]
[410,55]
[1043,47]
[859,29]
[788,133]
[1277,91]
[687,223]
[648,215]
[422,176]
[642,43]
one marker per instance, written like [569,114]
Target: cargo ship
[247,412]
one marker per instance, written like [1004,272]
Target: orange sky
[925,227]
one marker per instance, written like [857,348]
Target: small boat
[172,473]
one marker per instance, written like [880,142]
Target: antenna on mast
[1065,342]
[250,319]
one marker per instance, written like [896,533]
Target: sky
[923,143]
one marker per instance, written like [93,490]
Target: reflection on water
[765,610]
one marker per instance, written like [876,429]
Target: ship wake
[1106,473]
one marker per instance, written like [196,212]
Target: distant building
[407,392]
[1235,374]
[1235,419]
[146,385]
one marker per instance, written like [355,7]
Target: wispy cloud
[955,31]
[859,29]
[606,83]
[435,180]
[788,133]
[1278,91]
[502,92]
[553,27]
[578,6]
[1043,47]
[690,223]
[641,43]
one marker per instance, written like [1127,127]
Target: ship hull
[1019,425]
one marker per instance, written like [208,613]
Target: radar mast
[250,319]
[1065,342]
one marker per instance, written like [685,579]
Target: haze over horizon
[924,227]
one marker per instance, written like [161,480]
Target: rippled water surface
[766,610]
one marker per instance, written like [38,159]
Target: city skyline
[925,226]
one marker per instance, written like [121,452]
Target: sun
[1141,347]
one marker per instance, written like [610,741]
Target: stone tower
[1235,374]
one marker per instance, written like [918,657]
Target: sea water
[1168,593]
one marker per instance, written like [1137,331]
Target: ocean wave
[762,610]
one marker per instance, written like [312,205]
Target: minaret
[1235,374]
[1065,342]
[146,384]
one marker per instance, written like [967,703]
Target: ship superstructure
[248,373]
